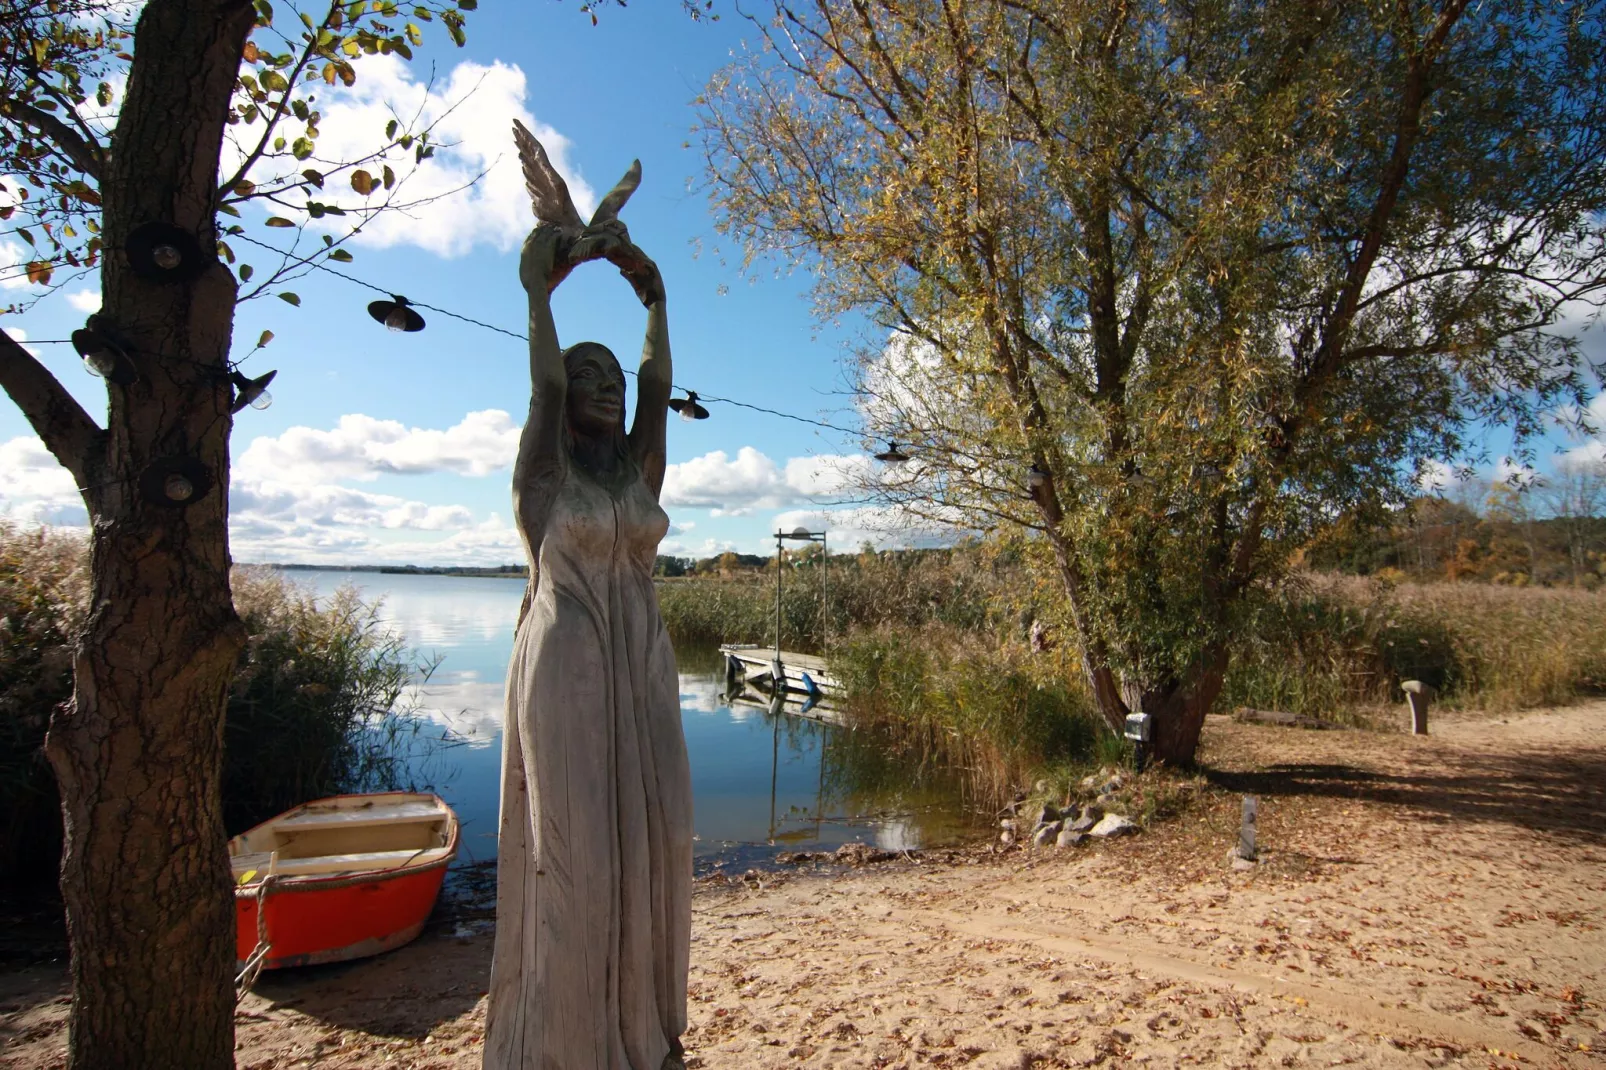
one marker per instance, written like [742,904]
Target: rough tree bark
[138,751]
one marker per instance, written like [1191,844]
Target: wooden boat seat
[410,813]
[329,864]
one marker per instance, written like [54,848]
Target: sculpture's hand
[539,260]
[643,276]
[610,240]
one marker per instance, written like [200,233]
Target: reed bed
[316,707]
[933,654]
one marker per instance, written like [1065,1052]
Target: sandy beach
[1420,901]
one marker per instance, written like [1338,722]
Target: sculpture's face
[596,395]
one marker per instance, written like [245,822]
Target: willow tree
[219,116]
[1173,286]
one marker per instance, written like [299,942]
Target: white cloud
[20,336]
[85,300]
[364,448]
[736,486]
[474,138]
[34,488]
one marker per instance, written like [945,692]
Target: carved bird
[605,237]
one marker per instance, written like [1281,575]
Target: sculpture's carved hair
[573,357]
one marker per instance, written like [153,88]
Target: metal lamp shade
[162,252]
[397,314]
[175,482]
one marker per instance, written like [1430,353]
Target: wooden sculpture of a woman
[593,909]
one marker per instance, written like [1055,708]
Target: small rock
[1070,838]
[1046,835]
[1046,815]
[1106,799]
[1090,783]
[860,854]
[1006,837]
[1237,861]
[1113,825]
[1090,817]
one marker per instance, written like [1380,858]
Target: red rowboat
[341,878]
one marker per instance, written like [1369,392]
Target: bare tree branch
[67,431]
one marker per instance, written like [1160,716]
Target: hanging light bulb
[688,407]
[252,392]
[892,454]
[1036,479]
[165,253]
[103,357]
[175,482]
[397,314]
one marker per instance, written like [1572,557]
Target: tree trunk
[1178,712]
[138,754]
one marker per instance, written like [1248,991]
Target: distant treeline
[1508,541]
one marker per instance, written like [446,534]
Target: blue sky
[390,448]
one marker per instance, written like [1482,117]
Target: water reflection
[762,780]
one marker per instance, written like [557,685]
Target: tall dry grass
[1339,646]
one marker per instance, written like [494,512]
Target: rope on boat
[259,954]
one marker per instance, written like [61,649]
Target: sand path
[1435,901]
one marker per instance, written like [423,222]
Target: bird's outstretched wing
[549,194]
[608,210]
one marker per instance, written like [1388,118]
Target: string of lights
[692,396]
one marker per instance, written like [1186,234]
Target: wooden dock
[757,666]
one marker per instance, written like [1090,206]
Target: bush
[312,710]
[43,591]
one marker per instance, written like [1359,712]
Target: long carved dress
[594,869]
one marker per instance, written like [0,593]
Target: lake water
[761,782]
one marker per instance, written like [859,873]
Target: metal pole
[778,566]
[825,594]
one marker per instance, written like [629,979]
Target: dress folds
[594,866]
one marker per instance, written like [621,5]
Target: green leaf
[313,176]
[389,176]
[314,209]
[225,252]
[362,182]
[246,271]
[390,130]
[264,13]
[245,187]
[278,221]
[301,148]
[414,34]
[103,95]
[468,5]
[274,82]
[290,299]
[341,255]
[229,209]
[401,48]
[267,336]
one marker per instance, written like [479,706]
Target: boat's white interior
[346,835]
